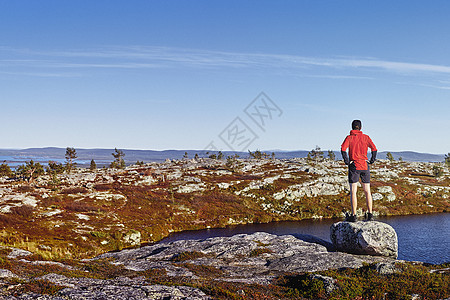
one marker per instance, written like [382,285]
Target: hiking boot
[351,218]
[369,217]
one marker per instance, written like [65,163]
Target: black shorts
[354,175]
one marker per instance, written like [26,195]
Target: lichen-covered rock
[15,253]
[372,238]
[386,268]
[119,288]
[132,237]
[4,273]
[246,258]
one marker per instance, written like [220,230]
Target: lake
[423,238]
[15,161]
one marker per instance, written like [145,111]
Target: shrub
[30,170]
[81,207]
[55,168]
[103,187]
[5,170]
[25,188]
[259,251]
[74,190]
[8,220]
[437,171]
[187,255]
[25,211]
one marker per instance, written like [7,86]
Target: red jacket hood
[355,132]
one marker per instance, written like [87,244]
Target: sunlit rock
[372,238]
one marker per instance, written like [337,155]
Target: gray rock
[7,274]
[133,291]
[236,258]
[387,268]
[377,196]
[15,253]
[371,238]
[132,237]
[119,288]
[387,190]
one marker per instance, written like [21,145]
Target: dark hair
[356,125]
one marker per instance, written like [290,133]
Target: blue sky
[180,74]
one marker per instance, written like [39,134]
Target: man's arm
[344,148]
[374,151]
[345,157]
[374,157]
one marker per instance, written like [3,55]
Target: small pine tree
[220,155]
[119,162]
[5,170]
[185,156]
[54,168]
[447,160]
[256,155]
[389,156]
[30,170]
[315,154]
[71,155]
[232,163]
[437,171]
[93,166]
[331,155]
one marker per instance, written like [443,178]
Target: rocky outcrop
[120,288]
[244,258]
[370,238]
[254,258]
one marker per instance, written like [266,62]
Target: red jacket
[358,144]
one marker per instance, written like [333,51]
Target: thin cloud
[441,87]
[40,74]
[338,77]
[141,57]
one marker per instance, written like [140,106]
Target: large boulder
[372,238]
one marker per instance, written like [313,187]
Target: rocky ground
[86,213]
[68,217]
[256,266]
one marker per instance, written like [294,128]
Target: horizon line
[204,150]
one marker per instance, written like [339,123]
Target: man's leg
[353,199]
[369,201]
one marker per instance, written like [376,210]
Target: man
[358,166]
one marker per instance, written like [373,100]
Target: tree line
[32,170]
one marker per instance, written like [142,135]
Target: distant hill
[104,155]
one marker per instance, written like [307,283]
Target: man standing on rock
[358,166]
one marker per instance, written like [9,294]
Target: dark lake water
[423,238]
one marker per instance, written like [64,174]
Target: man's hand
[345,158]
